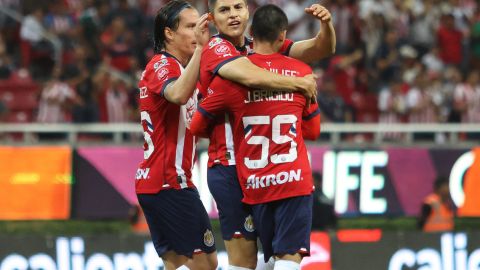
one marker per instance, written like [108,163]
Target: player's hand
[320,12]
[202,33]
[308,84]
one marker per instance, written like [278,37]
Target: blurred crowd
[396,60]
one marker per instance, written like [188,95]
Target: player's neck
[236,41]
[265,47]
[181,57]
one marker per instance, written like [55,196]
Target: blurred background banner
[342,250]
[35,182]
[395,180]
[386,181]
[105,186]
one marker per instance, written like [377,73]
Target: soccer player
[169,199]
[224,56]
[268,132]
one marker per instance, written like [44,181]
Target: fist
[320,12]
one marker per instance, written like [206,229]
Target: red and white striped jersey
[217,53]
[169,148]
[272,162]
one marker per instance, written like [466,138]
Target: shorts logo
[222,50]
[249,227]
[208,239]
[214,42]
[162,74]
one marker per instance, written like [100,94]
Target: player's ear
[169,33]
[282,36]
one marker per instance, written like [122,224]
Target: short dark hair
[211,4]
[268,22]
[167,16]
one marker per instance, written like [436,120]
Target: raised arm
[182,89]
[244,72]
[323,44]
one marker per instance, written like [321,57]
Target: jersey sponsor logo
[265,181]
[142,173]
[214,42]
[162,74]
[223,50]
[208,238]
[143,92]
[268,95]
[160,64]
[249,227]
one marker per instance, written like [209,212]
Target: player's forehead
[229,3]
[188,16]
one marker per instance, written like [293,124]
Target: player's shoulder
[160,61]
[217,41]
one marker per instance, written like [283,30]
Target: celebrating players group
[254,100]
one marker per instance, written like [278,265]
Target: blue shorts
[178,222]
[235,216]
[284,226]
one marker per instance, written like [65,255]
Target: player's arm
[180,90]
[311,122]
[244,72]
[323,44]
[206,113]
[201,123]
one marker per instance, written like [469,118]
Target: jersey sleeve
[204,118]
[163,73]
[311,122]
[287,45]
[218,53]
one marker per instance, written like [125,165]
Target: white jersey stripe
[229,140]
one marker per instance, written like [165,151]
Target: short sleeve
[162,73]
[218,53]
[310,112]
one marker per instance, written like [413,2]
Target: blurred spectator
[343,17]
[3,112]
[6,65]
[298,28]
[323,217]
[437,213]
[56,99]
[331,103]
[433,62]
[449,41]
[424,22]
[117,42]
[392,106]
[32,34]
[79,76]
[388,58]
[466,99]
[343,71]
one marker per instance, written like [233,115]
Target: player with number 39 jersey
[169,146]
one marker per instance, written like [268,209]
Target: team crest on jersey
[249,227]
[208,238]
[162,74]
[160,64]
[214,42]
[223,50]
